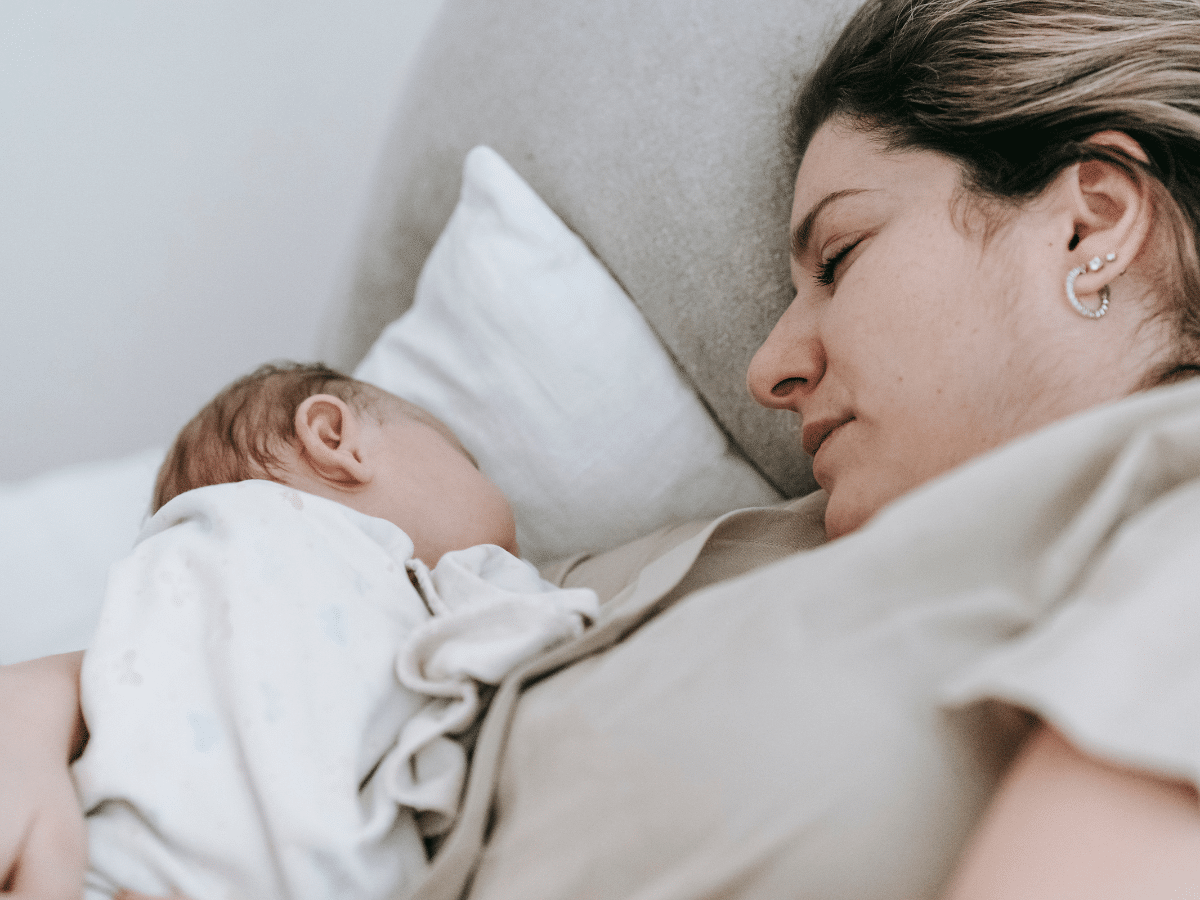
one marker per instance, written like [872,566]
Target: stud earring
[1093,265]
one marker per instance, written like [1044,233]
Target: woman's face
[915,343]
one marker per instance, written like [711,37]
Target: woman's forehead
[844,161]
[839,157]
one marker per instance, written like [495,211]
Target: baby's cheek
[504,524]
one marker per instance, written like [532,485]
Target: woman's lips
[820,435]
[816,433]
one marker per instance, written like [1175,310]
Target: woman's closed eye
[827,268]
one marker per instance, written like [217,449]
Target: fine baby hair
[318,431]
[238,434]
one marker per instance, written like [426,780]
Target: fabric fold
[492,612]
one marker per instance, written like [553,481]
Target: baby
[278,676]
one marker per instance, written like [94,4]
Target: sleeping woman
[967,666]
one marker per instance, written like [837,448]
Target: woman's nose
[789,363]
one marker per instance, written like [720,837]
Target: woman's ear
[1112,211]
[331,441]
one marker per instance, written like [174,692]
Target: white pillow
[524,344]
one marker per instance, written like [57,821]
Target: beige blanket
[758,716]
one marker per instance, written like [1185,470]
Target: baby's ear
[330,436]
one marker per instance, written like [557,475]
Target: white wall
[181,185]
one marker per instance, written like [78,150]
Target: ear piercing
[1094,265]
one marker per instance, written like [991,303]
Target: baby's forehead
[401,407]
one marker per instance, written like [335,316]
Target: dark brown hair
[1012,90]
[239,433]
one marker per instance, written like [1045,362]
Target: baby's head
[319,431]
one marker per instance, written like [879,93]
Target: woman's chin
[844,515]
[840,522]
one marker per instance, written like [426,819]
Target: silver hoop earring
[1094,265]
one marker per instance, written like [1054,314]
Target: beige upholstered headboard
[655,131]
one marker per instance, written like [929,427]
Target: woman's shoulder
[610,571]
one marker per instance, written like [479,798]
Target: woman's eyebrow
[802,232]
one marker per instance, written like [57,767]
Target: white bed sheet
[59,533]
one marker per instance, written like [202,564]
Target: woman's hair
[1012,89]
[239,433]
